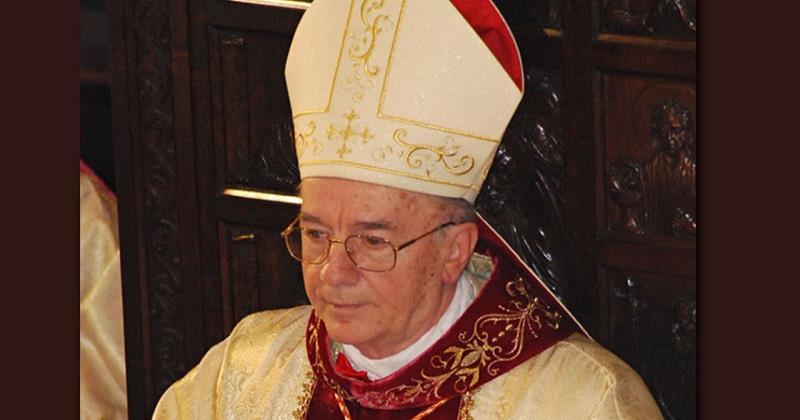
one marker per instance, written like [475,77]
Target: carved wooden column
[152,127]
[643,84]
[202,134]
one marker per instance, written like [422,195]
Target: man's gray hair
[459,210]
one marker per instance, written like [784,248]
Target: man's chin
[344,326]
[344,333]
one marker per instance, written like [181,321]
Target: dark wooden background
[96,144]
[585,186]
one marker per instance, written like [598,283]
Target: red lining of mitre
[490,26]
[84,168]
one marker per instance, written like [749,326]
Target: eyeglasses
[369,253]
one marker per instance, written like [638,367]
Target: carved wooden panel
[650,321]
[252,120]
[650,179]
[658,18]
[165,286]
[522,195]
[150,132]
[256,272]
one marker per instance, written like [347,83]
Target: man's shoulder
[273,323]
[261,336]
[577,358]
[260,365]
[575,378]
[587,355]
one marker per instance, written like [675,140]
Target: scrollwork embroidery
[481,350]
[360,52]
[447,155]
[304,140]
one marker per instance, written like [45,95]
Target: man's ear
[459,247]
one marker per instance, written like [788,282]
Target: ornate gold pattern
[304,400]
[388,171]
[317,365]
[383,153]
[482,350]
[360,52]
[528,313]
[446,154]
[304,139]
[347,132]
[465,407]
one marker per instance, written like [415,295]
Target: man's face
[675,132]
[380,313]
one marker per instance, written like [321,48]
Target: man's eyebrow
[380,224]
[306,217]
[375,225]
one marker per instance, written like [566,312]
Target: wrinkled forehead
[333,196]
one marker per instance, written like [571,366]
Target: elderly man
[419,309]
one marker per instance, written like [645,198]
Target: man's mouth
[345,307]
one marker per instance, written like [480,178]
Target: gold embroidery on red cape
[479,351]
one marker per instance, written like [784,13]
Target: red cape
[514,317]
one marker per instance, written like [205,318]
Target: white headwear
[403,93]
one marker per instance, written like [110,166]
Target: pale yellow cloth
[102,363]
[260,370]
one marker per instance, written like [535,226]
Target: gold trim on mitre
[402,93]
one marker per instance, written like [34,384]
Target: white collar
[381,368]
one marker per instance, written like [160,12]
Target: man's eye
[374,241]
[314,234]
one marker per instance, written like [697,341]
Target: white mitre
[402,93]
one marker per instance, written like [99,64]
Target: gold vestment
[262,371]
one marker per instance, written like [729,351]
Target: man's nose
[338,269]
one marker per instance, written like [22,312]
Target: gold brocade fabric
[102,351]
[258,372]
[261,371]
